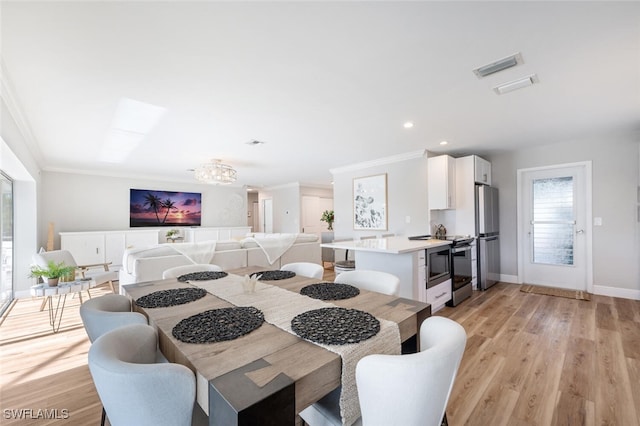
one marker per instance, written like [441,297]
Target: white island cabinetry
[401,257]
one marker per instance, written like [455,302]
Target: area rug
[551,291]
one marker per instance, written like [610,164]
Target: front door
[554,231]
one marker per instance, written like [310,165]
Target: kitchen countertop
[391,245]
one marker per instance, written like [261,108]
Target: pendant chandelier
[215,172]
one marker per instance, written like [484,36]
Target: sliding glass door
[6,241]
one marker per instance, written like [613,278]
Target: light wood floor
[530,360]
[543,360]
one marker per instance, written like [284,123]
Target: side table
[61,291]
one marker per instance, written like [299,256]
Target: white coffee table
[61,291]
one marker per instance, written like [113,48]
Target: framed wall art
[164,208]
[370,203]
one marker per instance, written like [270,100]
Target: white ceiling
[325,85]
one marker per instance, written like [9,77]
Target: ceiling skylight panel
[132,121]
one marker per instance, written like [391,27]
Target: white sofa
[147,264]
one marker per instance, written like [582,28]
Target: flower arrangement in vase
[327,216]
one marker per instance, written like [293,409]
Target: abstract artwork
[370,202]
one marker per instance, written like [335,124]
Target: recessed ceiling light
[499,65]
[516,84]
[443,142]
[408,125]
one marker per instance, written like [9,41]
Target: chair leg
[113,290]
[104,415]
[444,420]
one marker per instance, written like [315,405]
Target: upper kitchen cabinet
[442,182]
[482,170]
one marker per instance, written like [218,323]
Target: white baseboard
[625,293]
[22,294]
[513,279]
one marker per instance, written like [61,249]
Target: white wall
[18,163]
[286,207]
[616,255]
[75,202]
[406,195]
[287,204]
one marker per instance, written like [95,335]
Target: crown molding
[379,162]
[7,93]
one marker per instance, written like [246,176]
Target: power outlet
[597,221]
[407,219]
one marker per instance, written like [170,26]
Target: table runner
[280,306]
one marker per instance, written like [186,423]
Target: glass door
[554,209]
[6,241]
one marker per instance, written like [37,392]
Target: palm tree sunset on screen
[164,208]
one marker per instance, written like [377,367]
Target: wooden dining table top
[252,368]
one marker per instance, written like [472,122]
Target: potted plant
[172,234]
[52,272]
[327,216]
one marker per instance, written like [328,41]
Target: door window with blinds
[553,221]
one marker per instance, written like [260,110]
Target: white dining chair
[133,388]
[306,269]
[408,390]
[103,314]
[176,271]
[382,282]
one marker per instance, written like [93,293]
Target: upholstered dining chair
[99,272]
[408,390]
[105,313]
[176,271]
[133,388]
[306,269]
[382,282]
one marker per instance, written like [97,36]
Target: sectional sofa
[146,264]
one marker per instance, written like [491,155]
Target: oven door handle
[460,249]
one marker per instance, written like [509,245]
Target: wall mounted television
[164,208]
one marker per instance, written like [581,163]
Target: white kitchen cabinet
[105,246]
[439,295]
[482,170]
[442,182]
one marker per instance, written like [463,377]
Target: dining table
[270,374]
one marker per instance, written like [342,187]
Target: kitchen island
[403,258]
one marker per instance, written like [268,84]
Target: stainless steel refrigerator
[488,236]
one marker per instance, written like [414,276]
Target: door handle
[580,231]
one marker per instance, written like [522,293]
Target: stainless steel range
[461,264]
[455,263]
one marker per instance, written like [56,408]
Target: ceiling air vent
[516,84]
[499,65]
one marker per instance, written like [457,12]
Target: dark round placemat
[202,276]
[173,297]
[274,275]
[218,325]
[335,326]
[330,291]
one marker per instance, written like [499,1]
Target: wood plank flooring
[545,360]
[530,360]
